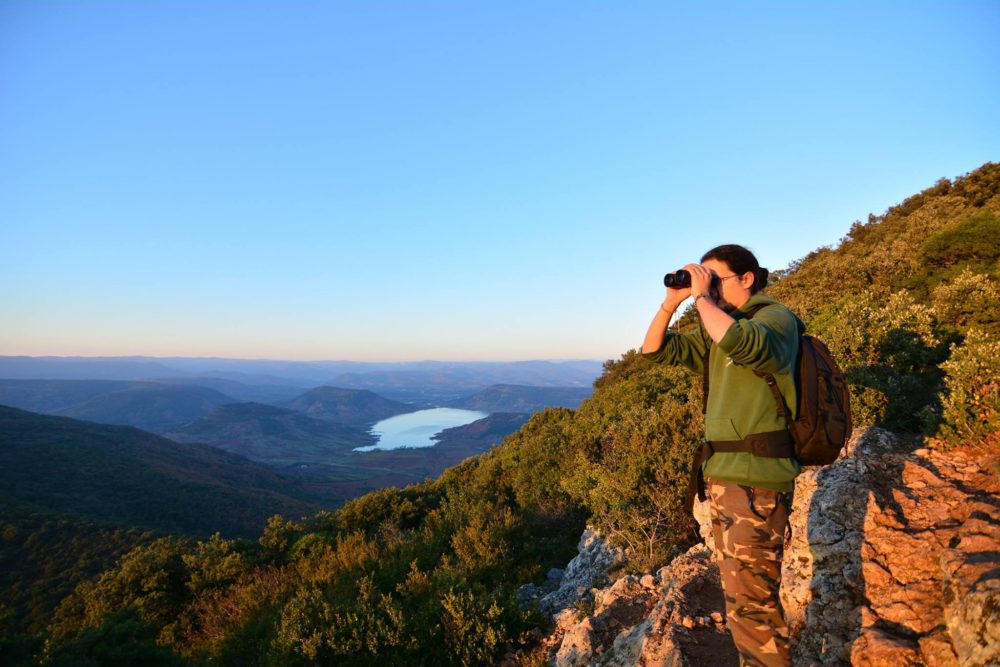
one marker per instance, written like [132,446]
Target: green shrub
[215,562]
[634,441]
[889,347]
[122,638]
[355,630]
[152,579]
[970,300]
[972,401]
[474,628]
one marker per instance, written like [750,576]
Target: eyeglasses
[724,279]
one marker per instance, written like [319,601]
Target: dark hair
[741,261]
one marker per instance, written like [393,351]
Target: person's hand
[701,279]
[676,296]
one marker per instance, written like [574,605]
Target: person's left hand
[701,279]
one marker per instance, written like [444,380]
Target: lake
[415,429]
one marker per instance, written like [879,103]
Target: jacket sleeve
[768,342]
[685,349]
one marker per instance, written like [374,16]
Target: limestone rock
[876,648]
[564,588]
[703,515]
[972,590]
[893,558]
[577,646]
[669,624]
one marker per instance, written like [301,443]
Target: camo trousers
[749,524]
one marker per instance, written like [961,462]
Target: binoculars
[681,279]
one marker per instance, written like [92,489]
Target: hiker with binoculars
[746,461]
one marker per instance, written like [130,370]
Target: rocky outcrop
[894,560]
[674,618]
[573,586]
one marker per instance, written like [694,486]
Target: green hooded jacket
[739,402]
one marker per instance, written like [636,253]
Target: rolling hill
[356,407]
[241,392]
[52,395]
[149,406]
[273,435]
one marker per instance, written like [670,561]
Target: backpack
[822,423]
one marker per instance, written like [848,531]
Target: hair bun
[762,274]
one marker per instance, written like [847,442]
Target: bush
[889,347]
[972,401]
[634,447]
[121,639]
[969,300]
[355,630]
[214,563]
[152,579]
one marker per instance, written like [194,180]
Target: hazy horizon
[328,361]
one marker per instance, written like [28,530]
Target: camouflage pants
[749,525]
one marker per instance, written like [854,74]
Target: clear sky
[446,180]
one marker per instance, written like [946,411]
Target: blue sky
[454,181]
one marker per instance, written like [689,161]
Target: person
[746,456]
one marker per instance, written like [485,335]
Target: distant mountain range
[439,383]
[304,374]
[519,398]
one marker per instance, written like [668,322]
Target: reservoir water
[415,429]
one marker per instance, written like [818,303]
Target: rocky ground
[894,560]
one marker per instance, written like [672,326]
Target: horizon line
[303,361]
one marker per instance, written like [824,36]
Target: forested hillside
[427,574]
[517,398]
[129,477]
